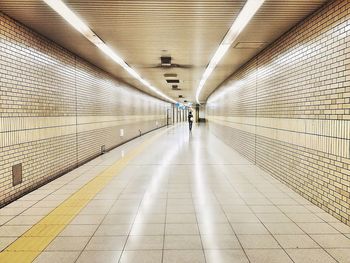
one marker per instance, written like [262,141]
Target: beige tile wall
[288,109]
[57,110]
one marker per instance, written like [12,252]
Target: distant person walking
[190,119]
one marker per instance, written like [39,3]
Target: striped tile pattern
[57,110]
[288,109]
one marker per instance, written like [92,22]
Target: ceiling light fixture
[80,26]
[246,14]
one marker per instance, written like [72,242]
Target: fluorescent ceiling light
[246,14]
[80,26]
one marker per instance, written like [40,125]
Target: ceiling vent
[170,75]
[172,81]
[165,61]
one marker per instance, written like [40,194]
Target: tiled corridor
[178,197]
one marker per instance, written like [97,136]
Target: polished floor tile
[181,218]
[24,220]
[5,241]
[268,256]
[188,198]
[318,228]
[284,228]
[273,218]
[242,218]
[183,256]
[68,244]
[98,256]
[340,254]
[146,256]
[226,256]
[220,242]
[332,240]
[144,243]
[258,241]
[310,256]
[250,229]
[296,241]
[106,243]
[13,231]
[113,230]
[147,229]
[79,230]
[183,242]
[211,228]
[57,257]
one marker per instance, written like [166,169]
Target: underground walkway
[169,196]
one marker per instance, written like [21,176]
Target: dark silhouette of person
[190,119]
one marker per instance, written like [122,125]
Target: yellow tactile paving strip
[30,245]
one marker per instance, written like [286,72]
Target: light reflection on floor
[187,198]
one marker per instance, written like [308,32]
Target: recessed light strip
[246,14]
[80,26]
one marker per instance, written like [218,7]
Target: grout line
[131,226]
[228,221]
[273,235]
[258,219]
[199,231]
[63,214]
[104,217]
[296,223]
[165,219]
